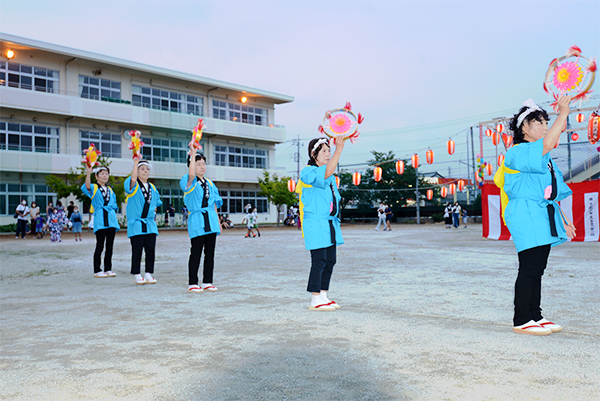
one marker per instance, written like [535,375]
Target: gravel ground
[426,315]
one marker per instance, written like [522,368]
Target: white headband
[99,169]
[319,142]
[531,107]
[145,163]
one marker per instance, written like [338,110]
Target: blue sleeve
[157,195]
[315,176]
[85,190]
[563,189]
[218,199]
[528,158]
[183,183]
[127,185]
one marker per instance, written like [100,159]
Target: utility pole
[468,170]
[474,165]
[569,145]
[418,197]
[297,156]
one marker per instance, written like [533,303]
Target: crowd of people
[453,212]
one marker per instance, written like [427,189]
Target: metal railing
[581,167]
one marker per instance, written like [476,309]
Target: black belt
[105,217]
[206,222]
[332,232]
[551,208]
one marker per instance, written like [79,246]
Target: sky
[419,71]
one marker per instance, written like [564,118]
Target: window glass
[29,138]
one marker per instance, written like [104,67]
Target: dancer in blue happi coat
[532,185]
[201,196]
[142,201]
[104,207]
[319,212]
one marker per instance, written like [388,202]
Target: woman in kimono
[142,201]
[532,185]
[202,198]
[319,212]
[104,205]
[56,221]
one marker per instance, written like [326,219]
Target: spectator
[456,212]
[34,213]
[388,218]
[77,226]
[381,216]
[70,210]
[464,216]
[166,217]
[249,219]
[56,222]
[184,215]
[171,216]
[448,215]
[21,213]
[255,216]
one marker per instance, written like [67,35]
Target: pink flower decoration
[567,76]
[340,123]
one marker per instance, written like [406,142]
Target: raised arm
[134,174]
[192,168]
[551,138]
[88,178]
[335,158]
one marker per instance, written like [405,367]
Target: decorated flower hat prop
[197,134]
[90,156]
[136,144]
[341,124]
[567,75]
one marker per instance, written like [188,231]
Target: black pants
[528,287]
[21,227]
[145,242]
[322,262]
[107,234]
[198,243]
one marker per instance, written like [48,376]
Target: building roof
[277,98]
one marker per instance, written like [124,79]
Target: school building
[56,100]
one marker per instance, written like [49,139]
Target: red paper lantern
[337,181]
[461,185]
[444,192]
[452,188]
[593,125]
[488,132]
[291,185]
[450,147]
[500,128]
[429,156]
[489,169]
[415,160]
[377,173]
[580,117]
[356,178]
[429,194]
[500,160]
[400,167]
[575,136]
[496,138]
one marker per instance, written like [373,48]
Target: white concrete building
[55,101]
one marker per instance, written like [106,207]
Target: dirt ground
[426,315]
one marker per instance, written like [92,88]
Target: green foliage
[276,191]
[437,217]
[8,228]
[75,178]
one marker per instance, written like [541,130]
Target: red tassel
[348,106]
[554,61]
[574,51]
[592,65]
[360,118]
[321,129]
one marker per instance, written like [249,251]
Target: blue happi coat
[530,198]
[105,214]
[199,216]
[136,225]
[319,208]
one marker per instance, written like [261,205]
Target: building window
[166,100]
[28,137]
[170,196]
[239,113]
[165,150]
[28,77]
[235,201]
[108,144]
[233,156]
[12,194]
[99,88]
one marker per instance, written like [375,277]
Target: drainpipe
[67,73]
[67,133]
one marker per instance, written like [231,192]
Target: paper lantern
[377,173]
[507,139]
[415,160]
[575,136]
[488,132]
[580,117]
[356,178]
[461,185]
[452,188]
[489,169]
[400,167]
[500,128]
[500,160]
[593,125]
[444,192]
[495,138]
[429,156]
[429,194]
[450,147]
[291,185]
[337,181]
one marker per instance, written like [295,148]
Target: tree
[75,178]
[276,191]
